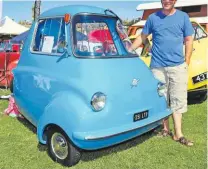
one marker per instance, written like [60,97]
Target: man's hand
[187,61]
[138,41]
[188,48]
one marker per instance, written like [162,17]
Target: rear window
[199,33]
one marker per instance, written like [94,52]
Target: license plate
[199,78]
[140,116]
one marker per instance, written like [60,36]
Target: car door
[197,67]
[38,68]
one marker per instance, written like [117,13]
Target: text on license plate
[199,78]
[140,115]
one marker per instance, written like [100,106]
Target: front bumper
[197,96]
[103,138]
[197,91]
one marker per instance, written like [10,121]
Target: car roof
[72,10]
[179,3]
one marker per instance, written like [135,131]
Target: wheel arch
[48,127]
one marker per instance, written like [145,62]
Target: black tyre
[60,149]
[203,97]
[197,98]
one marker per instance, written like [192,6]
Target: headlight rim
[161,86]
[96,96]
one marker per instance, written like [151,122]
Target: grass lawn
[19,148]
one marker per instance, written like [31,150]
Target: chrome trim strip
[197,90]
[113,135]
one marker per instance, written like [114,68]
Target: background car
[9,57]
[197,71]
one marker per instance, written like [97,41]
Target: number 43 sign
[199,78]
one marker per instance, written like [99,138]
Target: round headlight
[98,101]
[161,89]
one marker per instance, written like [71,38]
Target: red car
[9,57]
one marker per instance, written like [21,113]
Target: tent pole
[37,9]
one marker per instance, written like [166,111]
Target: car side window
[198,32]
[49,36]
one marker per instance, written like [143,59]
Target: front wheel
[60,149]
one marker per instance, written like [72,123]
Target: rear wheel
[60,149]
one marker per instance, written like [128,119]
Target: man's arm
[139,41]
[188,48]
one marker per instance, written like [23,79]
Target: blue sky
[21,10]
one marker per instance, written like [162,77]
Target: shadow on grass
[33,129]
[4,87]
[42,147]
[27,124]
[92,155]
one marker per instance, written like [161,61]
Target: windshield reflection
[100,36]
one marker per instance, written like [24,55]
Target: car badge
[134,83]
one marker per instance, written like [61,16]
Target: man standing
[170,28]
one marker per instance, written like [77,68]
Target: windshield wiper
[108,10]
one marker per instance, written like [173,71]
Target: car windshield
[199,33]
[100,36]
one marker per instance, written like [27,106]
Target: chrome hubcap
[59,146]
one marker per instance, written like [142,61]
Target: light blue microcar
[81,86]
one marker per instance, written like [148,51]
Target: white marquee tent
[10,27]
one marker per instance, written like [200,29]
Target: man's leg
[178,136]
[178,79]
[160,74]
[177,119]
[166,124]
